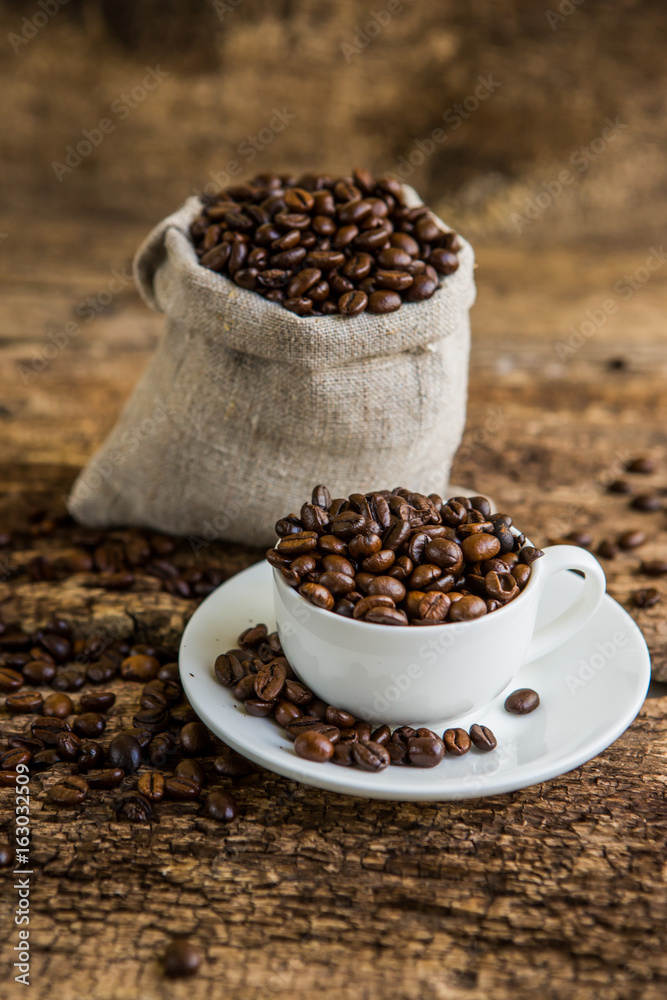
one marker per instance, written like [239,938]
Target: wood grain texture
[558,890]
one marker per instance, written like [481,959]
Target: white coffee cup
[407,675]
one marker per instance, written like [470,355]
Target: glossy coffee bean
[457,742]
[425,751]
[112,777]
[28,703]
[181,959]
[48,729]
[152,785]
[10,680]
[522,701]
[231,764]
[69,792]
[221,806]
[195,739]
[89,725]
[125,752]
[482,738]
[370,756]
[313,745]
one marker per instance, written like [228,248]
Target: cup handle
[555,559]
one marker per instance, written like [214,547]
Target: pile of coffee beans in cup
[402,558]
[321,245]
[262,678]
[61,717]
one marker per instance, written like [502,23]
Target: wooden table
[556,891]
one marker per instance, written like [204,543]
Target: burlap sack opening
[245,406]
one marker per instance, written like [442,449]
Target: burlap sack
[246,406]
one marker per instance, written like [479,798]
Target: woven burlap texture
[245,406]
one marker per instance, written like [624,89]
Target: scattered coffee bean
[643,466]
[135,808]
[313,745]
[181,958]
[631,539]
[647,597]
[646,502]
[152,785]
[370,756]
[24,704]
[70,792]
[109,778]
[425,751]
[522,701]
[482,738]
[181,789]
[89,724]
[653,567]
[620,486]
[582,538]
[125,752]
[97,701]
[607,549]
[221,806]
[457,741]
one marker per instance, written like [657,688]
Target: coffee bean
[69,746]
[232,765]
[135,808]
[10,759]
[425,751]
[643,466]
[109,778]
[195,739]
[48,729]
[647,597]
[522,701]
[181,958]
[631,539]
[6,856]
[91,756]
[89,724]
[193,769]
[313,745]
[620,486]
[152,785]
[139,668]
[482,738]
[221,806]
[317,595]
[39,671]
[370,756]
[384,302]
[180,789]
[97,701]
[69,679]
[467,608]
[654,567]
[646,502]
[124,752]
[229,669]
[270,680]
[339,718]
[10,680]
[24,704]
[607,549]
[457,742]
[70,792]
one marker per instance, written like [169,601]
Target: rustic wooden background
[558,890]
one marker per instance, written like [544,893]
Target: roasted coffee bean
[139,668]
[383,301]
[501,586]
[339,718]
[231,764]
[467,608]
[193,769]
[646,502]
[89,724]
[342,754]
[22,742]
[620,486]
[135,808]
[69,792]
[181,959]
[90,756]
[180,789]
[112,777]
[229,669]
[632,539]
[285,712]
[69,679]
[482,738]
[48,729]
[125,752]
[647,597]
[10,759]
[101,672]
[457,742]
[386,616]
[644,466]
[69,746]
[46,758]
[654,567]
[297,692]
[521,574]
[152,785]
[221,806]
[25,703]
[480,546]
[317,595]
[270,680]
[258,707]
[154,696]
[425,751]
[303,725]
[195,739]
[522,701]
[370,756]
[314,745]
[607,549]
[528,555]
[152,720]
[10,680]
[381,735]
[39,671]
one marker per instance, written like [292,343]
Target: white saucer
[591,689]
